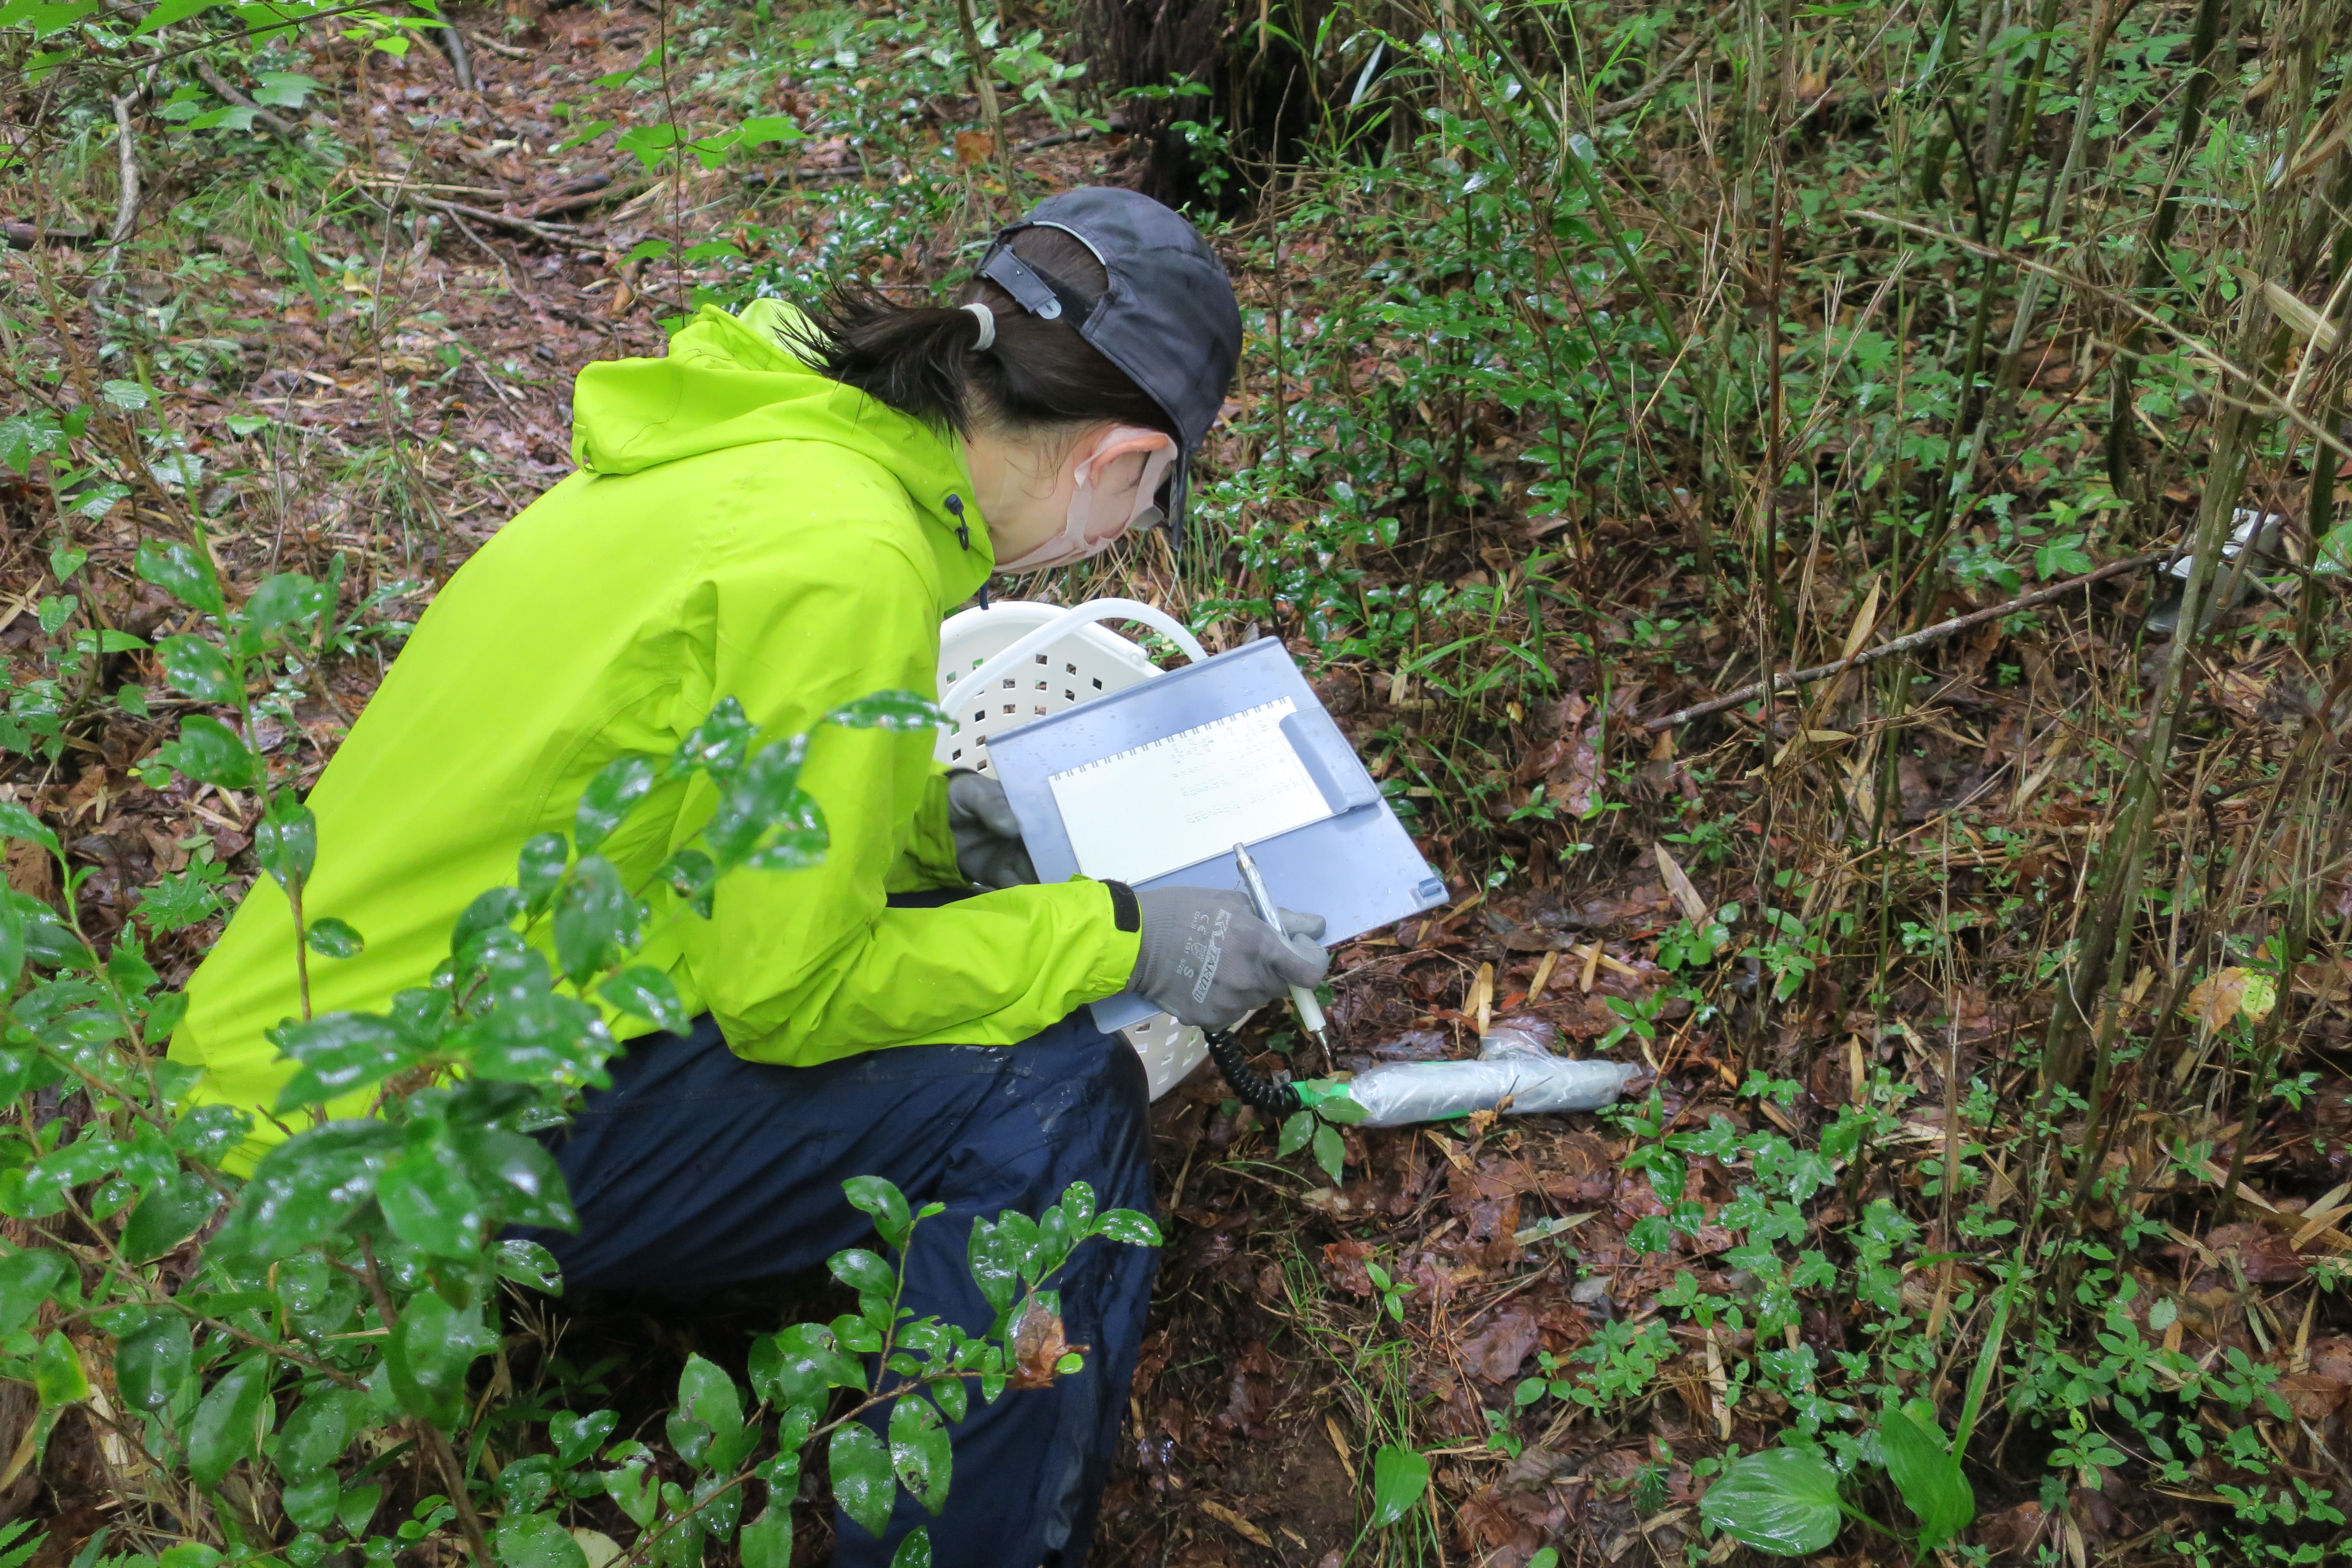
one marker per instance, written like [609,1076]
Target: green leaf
[312,1503]
[339,1052]
[914,1551]
[303,1188]
[1928,1475]
[1129,1226]
[282,90]
[153,1361]
[315,1435]
[637,1492]
[1400,1477]
[576,1436]
[227,1427]
[23,436]
[610,795]
[334,938]
[718,745]
[490,909]
[1296,1129]
[798,1365]
[169,1215]
[1338,1108]
[28,1278]
[165,13]
[767,1541]
[919,1451]
[210,752]
[997,1253]
[182,898]
[649,993]
[357,1507]
[864,1272]
[646,143]
[195,667]
[762,793]
[538,1540]
[596,920]
[286,598]
[286,842]
[528,1263]
[15,822]
[516,1177]
[429,1352]
[427,1200]
[1330,1152]
[57,1375]
[706,1393]
[121,393]
[762,128]
[886,1203]
[541,867]
[903,713]
[1782,1502]
[180,572]
[862,1483]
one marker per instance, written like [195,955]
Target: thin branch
[1918,639]
[126,201]
[560,234]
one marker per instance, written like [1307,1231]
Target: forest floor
[1300,1323]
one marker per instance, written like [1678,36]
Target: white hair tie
[987,320]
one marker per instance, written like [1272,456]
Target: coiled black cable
[1250,1086]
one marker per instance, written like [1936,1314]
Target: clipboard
[1353,864]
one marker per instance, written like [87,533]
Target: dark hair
[921,360]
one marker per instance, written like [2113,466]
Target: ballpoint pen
[1310,1012]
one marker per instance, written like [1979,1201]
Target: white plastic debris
[1515,1063]
[2253,541]
[2247,526]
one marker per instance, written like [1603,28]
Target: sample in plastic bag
[1515,1062]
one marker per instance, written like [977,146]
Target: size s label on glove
[1204,949]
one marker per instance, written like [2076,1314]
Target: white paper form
[1172,803]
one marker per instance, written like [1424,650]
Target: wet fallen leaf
[1496,1352]
[2227,993]
[1038,1347]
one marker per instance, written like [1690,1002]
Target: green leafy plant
[346,1288]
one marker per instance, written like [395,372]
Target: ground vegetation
[1824,520]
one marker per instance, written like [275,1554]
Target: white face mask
[1115,483]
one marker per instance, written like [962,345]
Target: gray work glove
[989,850]
[1207,959]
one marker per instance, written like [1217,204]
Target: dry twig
[1918,639]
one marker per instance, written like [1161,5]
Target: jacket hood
[729,380]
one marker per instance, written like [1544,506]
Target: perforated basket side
[1088,663]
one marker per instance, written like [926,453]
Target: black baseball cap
[1169,318]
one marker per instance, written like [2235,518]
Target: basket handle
[1060,627]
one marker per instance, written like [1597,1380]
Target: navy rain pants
[697,1169]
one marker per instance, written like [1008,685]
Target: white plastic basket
[1016,661]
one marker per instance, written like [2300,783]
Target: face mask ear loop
[987,320]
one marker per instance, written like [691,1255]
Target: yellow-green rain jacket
[741,526]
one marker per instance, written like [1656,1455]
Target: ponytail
[943,367]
